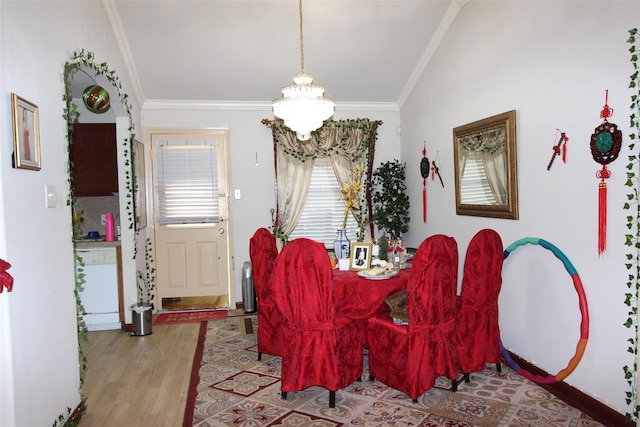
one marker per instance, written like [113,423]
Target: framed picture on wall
[26,134]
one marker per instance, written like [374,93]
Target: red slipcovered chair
[410,357]
[271,324]
[323,349]
[477,330]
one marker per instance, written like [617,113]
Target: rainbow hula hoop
[584,310]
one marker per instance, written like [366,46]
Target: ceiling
[244,51]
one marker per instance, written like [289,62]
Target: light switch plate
[238,194]
[51,198]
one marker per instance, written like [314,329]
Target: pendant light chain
[301,40]
[303,106]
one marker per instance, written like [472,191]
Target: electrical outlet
[103,219]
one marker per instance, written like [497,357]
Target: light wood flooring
[138,380]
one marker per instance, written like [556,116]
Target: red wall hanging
[606,141]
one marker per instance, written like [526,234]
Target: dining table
[360,298]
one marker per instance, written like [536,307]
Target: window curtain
[346,143]
[492,145]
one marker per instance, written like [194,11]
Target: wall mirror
[485,167]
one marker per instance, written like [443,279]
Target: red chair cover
[477,330]
[271,324]
[324,349]
[410,358]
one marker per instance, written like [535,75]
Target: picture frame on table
[26,134]
[360,256]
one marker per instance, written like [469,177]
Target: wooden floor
[138,380]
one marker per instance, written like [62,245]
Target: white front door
[191,214]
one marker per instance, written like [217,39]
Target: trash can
[248,291]
[141,319]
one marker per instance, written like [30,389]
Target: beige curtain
[346,143]
[492,146]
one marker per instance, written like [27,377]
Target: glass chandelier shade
[303,106]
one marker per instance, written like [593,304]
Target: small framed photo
[360,256]
[26,134]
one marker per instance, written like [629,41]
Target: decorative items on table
[342,244]
[606,141]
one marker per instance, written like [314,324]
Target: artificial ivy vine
[70,115]
[633,238]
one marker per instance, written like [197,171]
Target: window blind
[475,188]
[323,211]
[187,182]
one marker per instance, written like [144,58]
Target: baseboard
[592,407]
[76,415]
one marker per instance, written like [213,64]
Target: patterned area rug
[190,317]
[230,387]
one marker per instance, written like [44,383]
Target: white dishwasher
[99,293]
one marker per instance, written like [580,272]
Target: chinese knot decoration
[424,171]
[606,141]
[6,280]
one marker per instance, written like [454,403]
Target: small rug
[174,318]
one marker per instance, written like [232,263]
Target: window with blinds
[475,188]
[187,181]
[323,211]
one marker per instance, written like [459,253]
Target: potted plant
[390,201]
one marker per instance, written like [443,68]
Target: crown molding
[125,50]
[170,104]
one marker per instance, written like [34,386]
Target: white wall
[39,357]
[249,139]
[551,62]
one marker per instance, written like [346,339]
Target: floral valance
[349,138]
[490,141]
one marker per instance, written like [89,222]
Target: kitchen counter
[94,243]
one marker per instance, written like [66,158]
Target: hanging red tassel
[564,147]
[602,209]
[602,218]
[424,200]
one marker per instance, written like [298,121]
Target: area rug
[229,386]
[176,317]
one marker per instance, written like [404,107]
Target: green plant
[390,202]
[632,239]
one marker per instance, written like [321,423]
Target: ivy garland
[633,238]
[70,115]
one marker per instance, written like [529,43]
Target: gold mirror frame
[500,132]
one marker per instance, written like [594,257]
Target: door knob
[221,230]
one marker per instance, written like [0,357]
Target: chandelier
[303,106]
